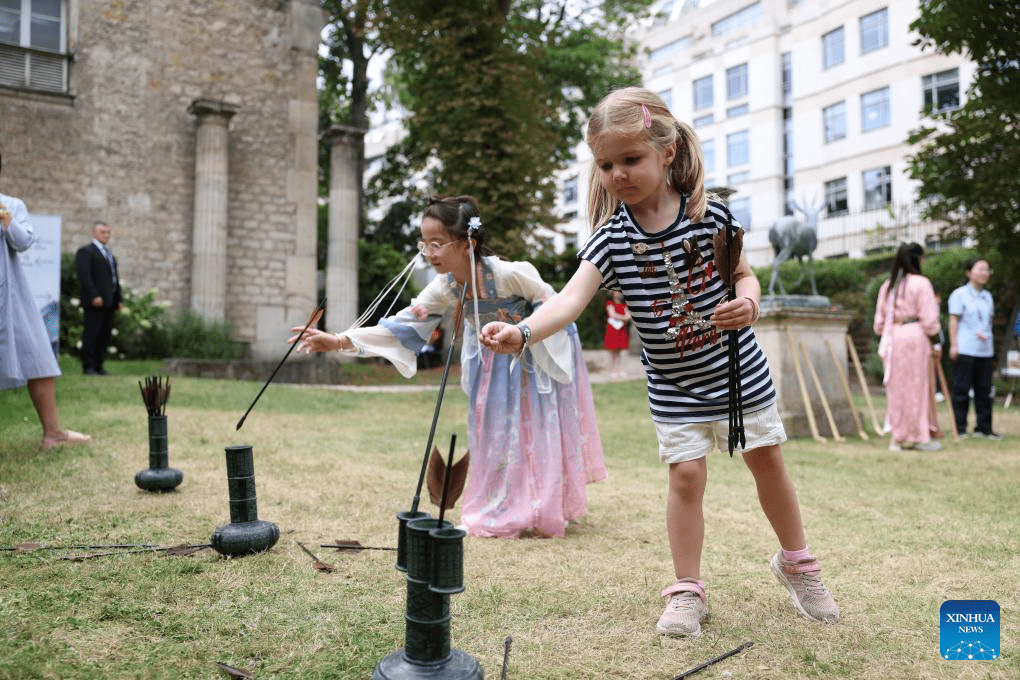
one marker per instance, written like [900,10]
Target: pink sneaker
[685,610]
[809,594]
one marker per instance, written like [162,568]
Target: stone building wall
[121,146]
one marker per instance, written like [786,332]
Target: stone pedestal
[813,322]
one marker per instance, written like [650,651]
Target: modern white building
[795,100]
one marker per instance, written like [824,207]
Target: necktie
[112,263]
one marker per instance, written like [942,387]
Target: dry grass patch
[897,533]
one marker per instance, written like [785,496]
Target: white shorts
[679,442]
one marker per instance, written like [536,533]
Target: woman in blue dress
[26,357]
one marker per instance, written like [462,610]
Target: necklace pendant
[640,248]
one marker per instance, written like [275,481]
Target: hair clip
[474,224]
[646,115]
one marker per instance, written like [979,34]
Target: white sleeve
[552,356]
[398,338]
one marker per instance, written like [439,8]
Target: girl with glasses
[532,432]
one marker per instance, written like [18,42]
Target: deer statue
[792,238]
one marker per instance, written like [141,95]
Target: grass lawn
[897,534]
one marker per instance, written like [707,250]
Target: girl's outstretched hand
[313,340]
[502,338]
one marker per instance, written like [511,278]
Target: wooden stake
[803,389]
[846,390]
[821,393]
[879,430]
[949,402]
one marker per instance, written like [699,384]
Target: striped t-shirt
[687,367]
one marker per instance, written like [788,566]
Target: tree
[968,159]
[497,90]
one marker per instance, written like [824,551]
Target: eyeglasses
[432,247]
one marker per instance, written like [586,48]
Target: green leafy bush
[190,336]
[143,328]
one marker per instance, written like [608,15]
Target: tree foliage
[497,91]
[968,159]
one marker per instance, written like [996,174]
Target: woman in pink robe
[907,318]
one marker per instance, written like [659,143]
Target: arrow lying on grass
[319,564]
[725,655]
[351,546]
[29,547]
[183,550]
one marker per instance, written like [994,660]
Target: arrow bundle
[155,393]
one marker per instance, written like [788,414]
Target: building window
[834,120]
[877,188]
[874,31]
[33,44]
[736,82]
[741,209]
[787,78]
[703,93]
[708,152]
[702,121]
[669,50]
[667,97]
[739,178]
[875,109]
[942,90]
[738,148]
[570,191]
[835,197]
[735,111]
[832,48]
[739,19]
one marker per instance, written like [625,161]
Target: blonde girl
[653,240]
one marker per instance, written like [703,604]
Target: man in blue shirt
[972,349]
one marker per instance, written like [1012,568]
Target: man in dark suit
[100,298]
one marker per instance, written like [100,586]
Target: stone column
[209,233]
[344,209]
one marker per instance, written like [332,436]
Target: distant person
[100,298]
[972,349]
[26,355]
[617,330]
[907,319]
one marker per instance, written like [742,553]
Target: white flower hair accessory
[474,224]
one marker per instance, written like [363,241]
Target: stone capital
[343,134]
[203,108]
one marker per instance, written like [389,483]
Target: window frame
[829,48]
[28,65]
[702,93]
[882,107]
[739,141]
[932,88]
[874,28]
[880,181]
[836,197]
[736,82]
[708,155]
[830,132]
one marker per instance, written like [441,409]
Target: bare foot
[68,438]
